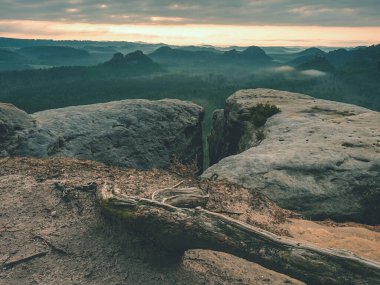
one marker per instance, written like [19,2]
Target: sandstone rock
[129,133]
[319,157]
[13,125]
[215,266]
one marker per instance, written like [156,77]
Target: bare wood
[181,197]
[11,264]
[51,245]
[178,184]
[181,229]
[229,212]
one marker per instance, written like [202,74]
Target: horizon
[217,23]
[187,45]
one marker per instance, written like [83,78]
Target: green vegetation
[193,76]
[261,112]
[260,136]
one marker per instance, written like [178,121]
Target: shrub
[260,135]
[261,112]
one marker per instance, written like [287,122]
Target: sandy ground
[361,240]
[52,232]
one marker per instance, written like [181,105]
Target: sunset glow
[221,35]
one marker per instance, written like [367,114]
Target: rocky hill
[249,56]
[310,51]
[355,60]
[169,53]
[129,133]
[319,157]
[133,60]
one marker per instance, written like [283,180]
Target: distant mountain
[16,43]
[168,52]
[250,55]
[280,50]
[108,49]
[310,51]
[340,57]
[255,53]
[318,62]
[200,48]
[10,56]
[134,62]
[363,58]
[232,54]
[305,56]
[134,58]
[53,54]
[174,54]
[119,67]
[10,60]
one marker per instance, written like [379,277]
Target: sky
[214,22]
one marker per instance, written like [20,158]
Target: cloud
[284,68]
[177,33]
[237,12]
[313,73]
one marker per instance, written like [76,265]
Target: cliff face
[319,157]
[129,133]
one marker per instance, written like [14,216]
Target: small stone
[53,213]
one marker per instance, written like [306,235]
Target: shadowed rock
[130,133]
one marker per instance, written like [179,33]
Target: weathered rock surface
[13,122]
[130,133]
[319,157]
[78,246]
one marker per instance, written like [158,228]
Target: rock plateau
[129,133]
[318,157]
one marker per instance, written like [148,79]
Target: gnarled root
[183,228]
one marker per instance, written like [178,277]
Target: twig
[49,244]
[11,264]
[178,184]
[229,212]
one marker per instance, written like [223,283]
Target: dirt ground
[52,232]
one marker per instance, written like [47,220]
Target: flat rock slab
[318,157]
[129,133]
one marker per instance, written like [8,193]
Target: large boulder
[129,133]
[15,125]
[318,157]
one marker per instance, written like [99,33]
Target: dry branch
[181,229]
[51,245]
[10,264]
